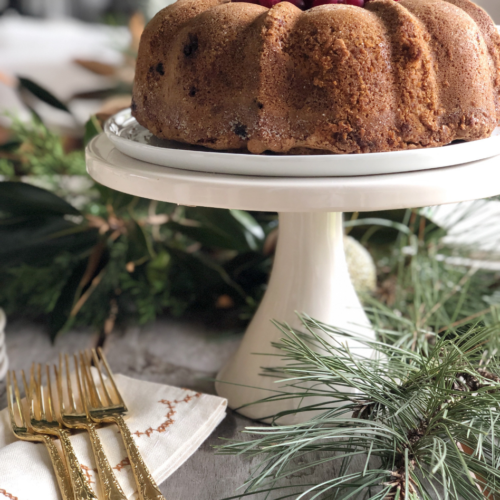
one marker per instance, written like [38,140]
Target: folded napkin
[168,424]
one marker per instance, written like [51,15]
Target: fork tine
[97,364]
[80,383]
[110,375]
[58,375]
[11,376]
[10,400]
[40,389]
[33,408]
[96,397]
[50,406]
[26,420]
[26,389]
[69,384]
[18,397]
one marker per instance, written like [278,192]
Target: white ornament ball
[361,266]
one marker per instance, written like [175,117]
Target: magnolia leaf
[228,228]
[19,198]
[42,94]
[207,236]
[60,317]
[37,240]
[10,146]
[249,269]
[248,222]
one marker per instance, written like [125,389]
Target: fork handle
[81,487]
[146,485]
[62,475]
[109,483]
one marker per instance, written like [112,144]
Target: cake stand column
[309,275]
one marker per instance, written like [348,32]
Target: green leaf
[38,240]
[140,248]
[387,232]
[19,198]
[206,236]
[157,270]
[10,146]
[60,319]
[251,225]
[42,94]
[249,269]
[92,129]
[224,229]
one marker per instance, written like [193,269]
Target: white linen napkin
[168,424]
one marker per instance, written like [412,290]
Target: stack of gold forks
[82,400]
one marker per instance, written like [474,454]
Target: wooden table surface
[166,352]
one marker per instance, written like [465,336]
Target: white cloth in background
[44,49]
[169,425]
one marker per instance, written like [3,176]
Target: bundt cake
[335,78]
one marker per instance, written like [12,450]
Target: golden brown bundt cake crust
[333,79]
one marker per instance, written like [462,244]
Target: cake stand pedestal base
[309,275]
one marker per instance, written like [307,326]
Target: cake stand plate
[134,140]
[310,271]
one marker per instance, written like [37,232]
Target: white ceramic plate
[134,140]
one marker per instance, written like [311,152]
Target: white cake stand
[310,272]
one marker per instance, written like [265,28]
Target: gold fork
[76,416]
[104,408]
[22,430]
[45,420]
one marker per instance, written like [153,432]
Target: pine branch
[421,424]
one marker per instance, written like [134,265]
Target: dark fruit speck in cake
[191,46]
[241,131]
[160,69]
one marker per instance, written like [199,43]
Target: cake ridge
[491,37]
[416,81]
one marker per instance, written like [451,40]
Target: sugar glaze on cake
[331,79]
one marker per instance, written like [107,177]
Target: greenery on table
[410,423]
[116,256]
[78,253]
